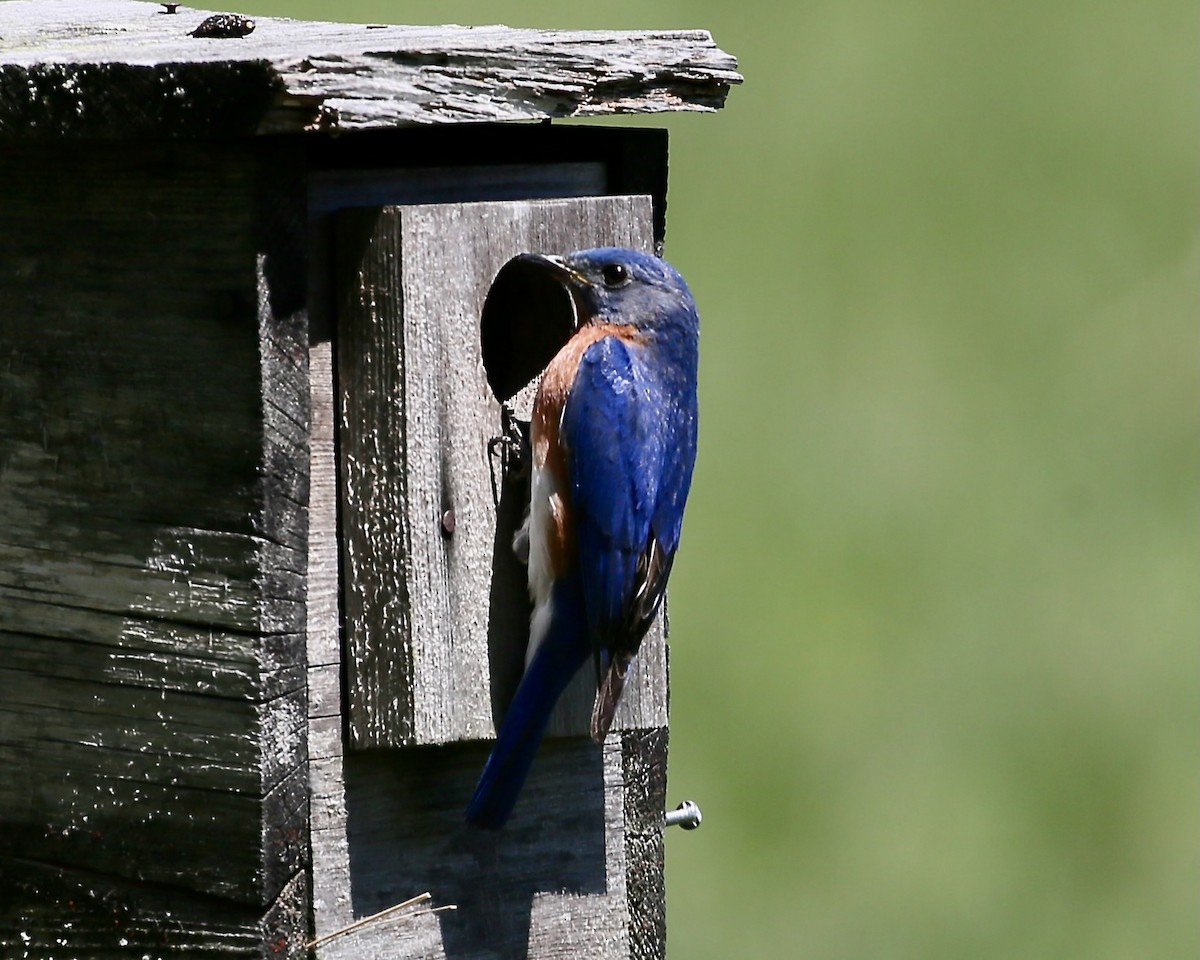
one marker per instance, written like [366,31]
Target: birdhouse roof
[122,68]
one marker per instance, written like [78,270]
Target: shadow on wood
[406,835]
[509,606]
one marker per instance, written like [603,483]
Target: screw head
[686,815]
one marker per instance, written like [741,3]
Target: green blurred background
[935,615]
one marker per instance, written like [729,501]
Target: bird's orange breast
[549,449]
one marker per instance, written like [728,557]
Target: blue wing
[631,445]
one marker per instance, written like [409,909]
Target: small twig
[424,913]
[382,915]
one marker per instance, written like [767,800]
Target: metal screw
[449,522]
[686,815]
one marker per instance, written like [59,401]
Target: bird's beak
[574,283]
[556,267]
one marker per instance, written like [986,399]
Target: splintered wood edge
[69,61]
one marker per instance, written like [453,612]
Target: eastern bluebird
[613,439]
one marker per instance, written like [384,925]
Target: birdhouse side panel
[151,576]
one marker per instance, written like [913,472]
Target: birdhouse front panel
[436,608]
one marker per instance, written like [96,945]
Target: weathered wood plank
[364,187]
[153,477]
[128,920]
[577,872]
[114,68]
[436,622]
[329,849]
[324,635]
[460,163]
[644,759]
[547,886]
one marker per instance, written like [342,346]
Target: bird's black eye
[615,275]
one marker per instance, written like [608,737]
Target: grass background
[935,614]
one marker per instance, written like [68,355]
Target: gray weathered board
[153,476]
[431,620]
[427,612]
[124,68]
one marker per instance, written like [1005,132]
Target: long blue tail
[562,653]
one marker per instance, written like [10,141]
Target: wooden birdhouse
[259,608]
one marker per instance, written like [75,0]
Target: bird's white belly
[545,503]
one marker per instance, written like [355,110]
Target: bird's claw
[512,449]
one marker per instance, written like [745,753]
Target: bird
[613,441]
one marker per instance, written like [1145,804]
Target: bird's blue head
[621,286]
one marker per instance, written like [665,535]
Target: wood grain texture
[153,472]
[644,759]
[437,624]
[123,68]
[330,857]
